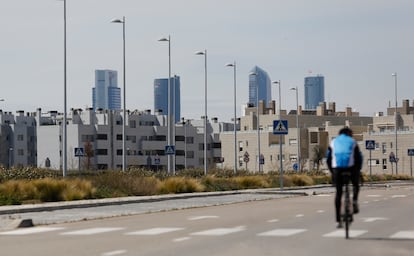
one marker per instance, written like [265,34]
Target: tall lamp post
[235,116]
[64,151]
[124,93]
[171,112]
[297,125]
[396,123]
[205,108]
[258,120]
[279,112]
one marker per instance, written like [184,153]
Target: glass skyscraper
[161,96]
[261,80]
[106,94]
[314,91]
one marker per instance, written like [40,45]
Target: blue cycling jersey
[343,150]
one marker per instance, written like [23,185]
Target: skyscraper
[106,94]
[161,96]
[314,91]
[262,80]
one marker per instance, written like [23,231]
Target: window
[102,151]
[384,147]
[216,145]
[373,162]
[313,137]
[86,138]
[132,138]
[179,138]
[119,152]
[119,137]
[190,140]
[102,136]
[190,154]
[240,146]
[20,137]
[293,141]
[20,152]
[132,124]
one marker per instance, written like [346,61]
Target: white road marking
[181,239]
[90,231]
[154,231]
[203,217]
[366,202]
[403,235]
[372,219]
[373,195]
[113,253]
[376,200]
[324,195]
[398,196]
[219,231]
[28,231]
[341,233]
[321,211]
[273,220]
[299,215]
[282,232]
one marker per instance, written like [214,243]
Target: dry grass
[180,185]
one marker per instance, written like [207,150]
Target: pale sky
[355,44]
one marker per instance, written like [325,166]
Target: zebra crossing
[221,231]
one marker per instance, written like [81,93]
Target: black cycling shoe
[355,207]
[339,225]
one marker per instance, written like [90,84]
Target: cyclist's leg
[355,184]
[338,185]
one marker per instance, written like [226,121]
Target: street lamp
[280,135]
[10,157]
[258,120]
[205,108]
[297,126]
[235,117]
[184,123]
[124,93]
[171,100]
[64,151]
[396,123]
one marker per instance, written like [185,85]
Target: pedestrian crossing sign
[280,127]
[170,150]
[79,151]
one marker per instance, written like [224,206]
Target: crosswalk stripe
[154,231]
[341,233]
[219,231]
[403,235]
[29,231]
[282,232]
[91,231]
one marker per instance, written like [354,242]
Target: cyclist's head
[346,131]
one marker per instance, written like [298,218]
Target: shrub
[302,180]
[179,185]
[247,182]
[212,183]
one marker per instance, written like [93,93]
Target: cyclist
[344,156]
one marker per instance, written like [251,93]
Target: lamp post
[280,135]
[171,119]
[235,117]
[297,126]
[204,53]
[184,123]
[10,157]
[124,93]
[258,120]
[396,123]
[64,150]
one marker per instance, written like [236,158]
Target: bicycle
[347,215]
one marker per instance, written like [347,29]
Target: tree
[89,153]
[318,153]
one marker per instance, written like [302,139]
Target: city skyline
[356,45]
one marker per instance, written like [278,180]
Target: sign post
[246,158]
[411,154]
[370,145]
[392,160]
[79,152]
[280,127]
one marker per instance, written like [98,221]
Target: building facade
[259,82]
[314,91]
[106,94]
[161,97]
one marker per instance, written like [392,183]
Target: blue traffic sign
[411,151]
[79,152]
[170,150]
[370,144]
[295,166]
[280,127]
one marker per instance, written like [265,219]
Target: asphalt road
[301,225]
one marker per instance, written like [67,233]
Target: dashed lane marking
[90,231]
[203,217]
[403,235]
[273,220]
[373,195]
[29,231]
[182,239]
[282,232]
[219,231]
[341,233]
[372,219]
[399,196]
[154,231]
[113,253]
[320,211]
[299,215]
